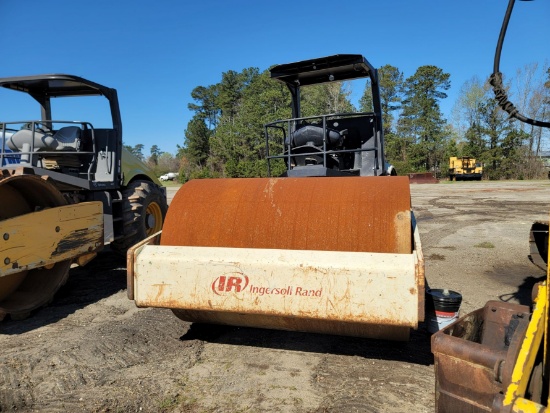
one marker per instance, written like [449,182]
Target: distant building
[545,158]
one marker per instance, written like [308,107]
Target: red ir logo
[225,283]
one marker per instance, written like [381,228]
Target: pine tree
[197,147]
[206,104]
[421,121]
[390,81]
[155,154]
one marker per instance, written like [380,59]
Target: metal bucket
[442,308]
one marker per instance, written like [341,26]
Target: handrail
[287,150]
[32,152]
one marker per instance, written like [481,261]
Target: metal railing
[289,126]
[31,155]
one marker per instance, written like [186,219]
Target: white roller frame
[358,287]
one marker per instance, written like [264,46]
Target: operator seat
[65,138]
[68,137]
[312,135]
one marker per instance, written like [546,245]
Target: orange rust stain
[160,291]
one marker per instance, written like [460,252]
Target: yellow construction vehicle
[464,168]
[496,359]
[67,188]
[331,246]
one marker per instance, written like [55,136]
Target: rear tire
[143,211]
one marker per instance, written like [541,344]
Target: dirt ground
[92,350]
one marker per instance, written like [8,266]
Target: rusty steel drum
[363,214]
[355,214]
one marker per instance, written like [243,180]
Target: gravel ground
[92,350]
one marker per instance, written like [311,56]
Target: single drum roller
[331,246]
[319,254]
[67,188]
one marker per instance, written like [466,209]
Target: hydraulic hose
[496,78]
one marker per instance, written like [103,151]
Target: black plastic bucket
[442,308]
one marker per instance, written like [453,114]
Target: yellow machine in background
[464,168]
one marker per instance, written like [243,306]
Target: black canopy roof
[325,69]
[55,85]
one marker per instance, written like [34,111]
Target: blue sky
[155,53]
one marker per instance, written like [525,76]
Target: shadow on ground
[416,350]
[521,278]
[101,278]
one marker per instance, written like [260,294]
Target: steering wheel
[38,127]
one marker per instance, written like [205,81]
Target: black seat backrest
[313,135]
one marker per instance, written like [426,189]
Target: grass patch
[171,402]
[436,257]
[170,183]
[485,244]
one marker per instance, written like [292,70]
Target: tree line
[225,137]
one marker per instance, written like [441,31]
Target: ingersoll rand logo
[233,282]
[237,282]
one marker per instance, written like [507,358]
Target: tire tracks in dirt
[88,353]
